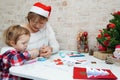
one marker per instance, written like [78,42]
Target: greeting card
[92,73]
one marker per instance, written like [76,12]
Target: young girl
[16,37]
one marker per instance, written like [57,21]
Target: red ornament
[118,12]
[112,25]
[85,34]
[108,38]
[99,36]
[106,35]
[106,42]
[101,48]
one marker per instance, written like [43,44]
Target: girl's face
[22,43]
[36,25]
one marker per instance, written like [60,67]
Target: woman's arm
[53,43]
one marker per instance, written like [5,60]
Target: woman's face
[36,25]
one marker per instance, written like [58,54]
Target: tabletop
[50,70]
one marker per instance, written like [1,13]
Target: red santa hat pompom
[117,47]
[41,9]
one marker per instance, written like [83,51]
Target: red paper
[80,74]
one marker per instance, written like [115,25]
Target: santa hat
[117,47]
[41,9]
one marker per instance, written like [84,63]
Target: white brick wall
[68,17]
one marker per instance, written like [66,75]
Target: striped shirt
[11,58]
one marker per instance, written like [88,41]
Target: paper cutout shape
[96,72]
[58,61]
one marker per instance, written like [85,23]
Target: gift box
[101,55]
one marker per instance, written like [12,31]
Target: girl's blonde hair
[13,33]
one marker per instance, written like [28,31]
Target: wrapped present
[101,55]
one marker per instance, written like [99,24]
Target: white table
[47,70]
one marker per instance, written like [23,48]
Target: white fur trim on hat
[117,49]
[40,11]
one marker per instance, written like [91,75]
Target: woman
[42,35]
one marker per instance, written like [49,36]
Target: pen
[30,61]
[80,55]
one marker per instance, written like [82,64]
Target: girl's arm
[27,55]
[19,59]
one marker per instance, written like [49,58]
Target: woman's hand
[45,51]
[34,53]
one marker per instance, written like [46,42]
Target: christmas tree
[109,37]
